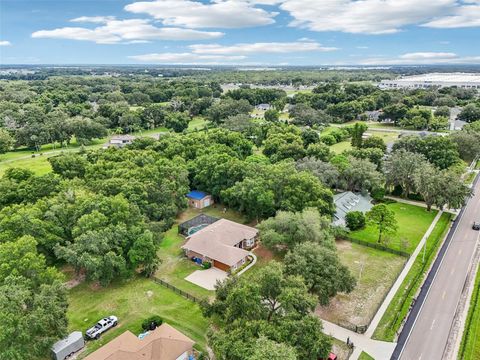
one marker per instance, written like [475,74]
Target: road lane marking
[420,357]
[433,323]
[443,295]
[451,272]
[459,251]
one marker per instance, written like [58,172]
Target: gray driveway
[207,278]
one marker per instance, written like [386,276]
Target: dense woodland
[103,212]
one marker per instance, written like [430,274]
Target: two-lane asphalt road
[429,334]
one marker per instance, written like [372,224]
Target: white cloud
[379,16]
[213,14]
[259,48]
[362,47]
[467,15]
[184,58]
[5,43]
[131,30]
[423,58]
[93,19]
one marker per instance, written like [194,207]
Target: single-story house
[120,141]
[224,244]
[263,107]
[199,199]
[348,201]
[163,343]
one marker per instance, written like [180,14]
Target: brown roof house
[224,244]
[163,343]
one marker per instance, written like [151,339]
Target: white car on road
[102,326]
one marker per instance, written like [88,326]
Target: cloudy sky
[260,32]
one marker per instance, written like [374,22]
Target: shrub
[157,320]
[355,220]
[378,194]
[207,265]
[328,140]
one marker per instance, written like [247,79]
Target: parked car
[100,327]
[476,226]
[65,348]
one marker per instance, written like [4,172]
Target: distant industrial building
[461,80]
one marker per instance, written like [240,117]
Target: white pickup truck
[102,326]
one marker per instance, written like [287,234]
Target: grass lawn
[365,356]
[133,301]
[413,222]
[398,308]
[470,348]
[340,147]
[175,267]
[375,271]
[197,123]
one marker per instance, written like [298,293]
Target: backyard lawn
[413,222]
[365,356]
[400,304]
[132,302]
[375,271]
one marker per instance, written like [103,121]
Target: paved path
[380,350]
[381,311]
[426,333]
[418,203]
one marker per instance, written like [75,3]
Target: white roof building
[348,201]
[461,80]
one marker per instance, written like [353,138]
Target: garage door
[220,265]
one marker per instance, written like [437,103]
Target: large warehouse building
[461,80]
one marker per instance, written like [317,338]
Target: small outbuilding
[199,199]
[68,346]
[120,141]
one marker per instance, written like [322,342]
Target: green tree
[288,229]
[357,134]
[321,269]
[271,115]
[355,220]
[326,172]
[177,121]
[383,219]
[6,141]
[266,349]
[470,113]
[270,305]
[33,302]
[400,168]
[375,142]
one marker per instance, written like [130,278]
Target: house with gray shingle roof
[348,201]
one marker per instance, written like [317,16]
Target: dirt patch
[264,255]
[74,282]
[375,272]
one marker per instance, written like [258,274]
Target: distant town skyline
[240,32]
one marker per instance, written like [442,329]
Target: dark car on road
[476,226]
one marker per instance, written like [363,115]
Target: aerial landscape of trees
[103,213]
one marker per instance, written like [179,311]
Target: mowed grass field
[470,348]
[413,221]
[400,304]
[375,271]
[132,302]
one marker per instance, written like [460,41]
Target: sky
[245,32]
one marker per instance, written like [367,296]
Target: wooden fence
[177,290]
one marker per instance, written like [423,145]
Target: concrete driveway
[207,278]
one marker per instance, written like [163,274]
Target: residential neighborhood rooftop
[163,343]
[348,201]
[218,240]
